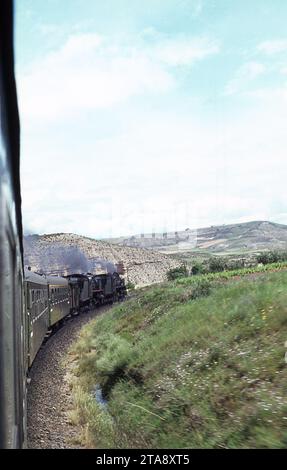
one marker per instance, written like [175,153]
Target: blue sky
[151,115]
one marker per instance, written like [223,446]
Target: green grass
[194,363]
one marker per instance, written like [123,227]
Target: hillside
[63,253]
[197,363]
[249,236]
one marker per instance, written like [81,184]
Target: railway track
[49,396]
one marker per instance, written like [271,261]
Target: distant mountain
[249,236]
[64,253]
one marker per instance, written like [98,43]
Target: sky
[151,115]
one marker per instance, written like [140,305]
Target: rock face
[250,236]
[66,252]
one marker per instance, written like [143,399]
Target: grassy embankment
[198,362]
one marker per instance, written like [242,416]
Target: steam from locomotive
[69,260]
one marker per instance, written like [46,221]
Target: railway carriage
[13,346]
[37,305]
[59,298]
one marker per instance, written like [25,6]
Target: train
[48,300]
[31,304]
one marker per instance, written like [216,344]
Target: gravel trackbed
[48,394]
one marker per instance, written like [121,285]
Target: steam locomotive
[30,304]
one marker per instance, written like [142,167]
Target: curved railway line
[49,398]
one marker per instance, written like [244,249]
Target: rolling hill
[249,236]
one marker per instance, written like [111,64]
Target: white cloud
[269,95]
[184,51]
[244,75]
[90,72]
[273,46]
[84,75]
[162,170]
[154,169]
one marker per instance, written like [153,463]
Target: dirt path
[49,396]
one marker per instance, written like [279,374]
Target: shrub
[198,268]
[236,264]
[274,256]
[176,273]
[217,265]
[201,289]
